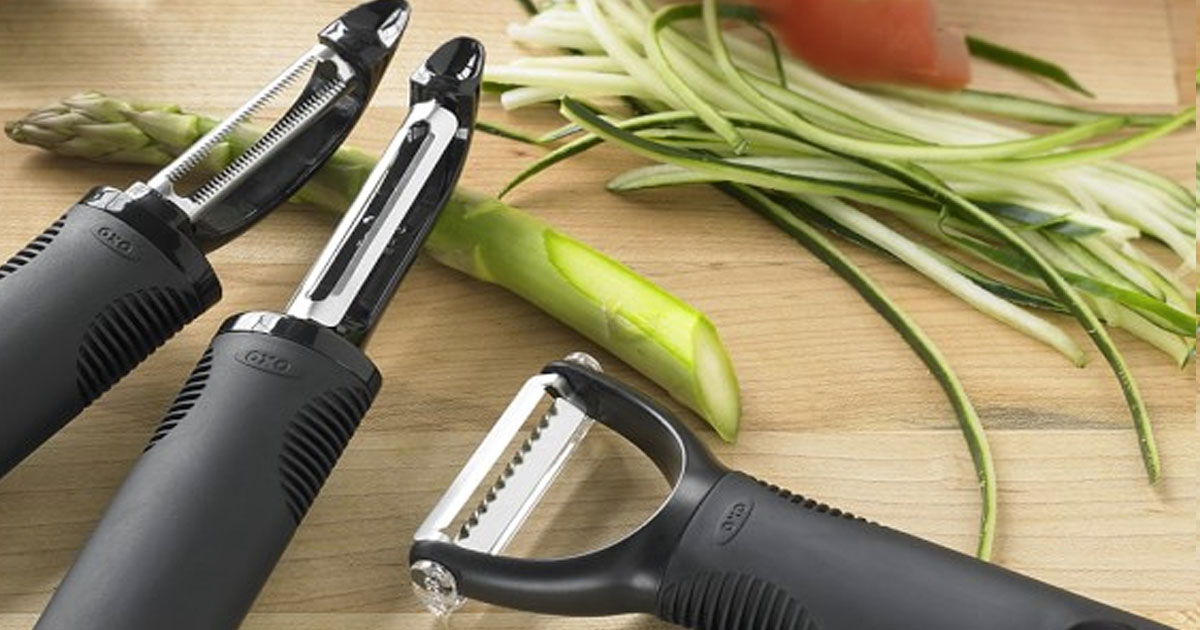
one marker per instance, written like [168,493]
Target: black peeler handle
[727,552]
[197,527]
[758,557]
[85,302]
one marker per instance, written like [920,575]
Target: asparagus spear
[658,334]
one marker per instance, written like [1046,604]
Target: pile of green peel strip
[1029,223]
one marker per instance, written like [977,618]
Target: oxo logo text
[734,520]
[266,361]
[113,239]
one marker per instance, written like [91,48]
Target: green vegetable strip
[593,63]
[656,333]
[1110,150]
[1012,106]
[916,338]
[924,182]
[1026,63]
[616,47]
[697,104]
[580,145]
[528,6]
[1180,351]
[1017,295]
[533,35]
[564,81]
[1167,317]
[659,175]
[504,131]
[1163,187]
[932,268]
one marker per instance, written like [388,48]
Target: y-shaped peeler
[724,552]
[199,524]
[123,271]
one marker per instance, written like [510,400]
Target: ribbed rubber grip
[82,305]
[201,521]
[755,557]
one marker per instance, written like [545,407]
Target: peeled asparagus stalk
[658,334]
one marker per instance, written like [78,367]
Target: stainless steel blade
[296,119]
[525,479]
[489,451]
[369,230]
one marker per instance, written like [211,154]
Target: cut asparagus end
[653,331]
[717,389]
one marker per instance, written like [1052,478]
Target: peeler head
[379,237]
[344,69]
[452,75]
[452,563]
[367,36]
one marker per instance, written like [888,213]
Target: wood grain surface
[836,405]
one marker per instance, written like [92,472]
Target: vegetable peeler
[124,270]
[199,524]
[724,552]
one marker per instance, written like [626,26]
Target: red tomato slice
[873,41]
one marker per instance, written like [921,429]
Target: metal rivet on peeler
[436,587]
[586,360]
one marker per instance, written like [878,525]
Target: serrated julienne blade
[295,120]
[545,462]
[525,479]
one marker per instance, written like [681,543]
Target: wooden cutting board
[836,405]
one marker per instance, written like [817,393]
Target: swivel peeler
[124,270]
[199,524]
[724,552]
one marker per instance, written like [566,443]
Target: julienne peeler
[197,527]
[724,552]
[123,271]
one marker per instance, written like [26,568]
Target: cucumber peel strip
[506,132]
[1010,58]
